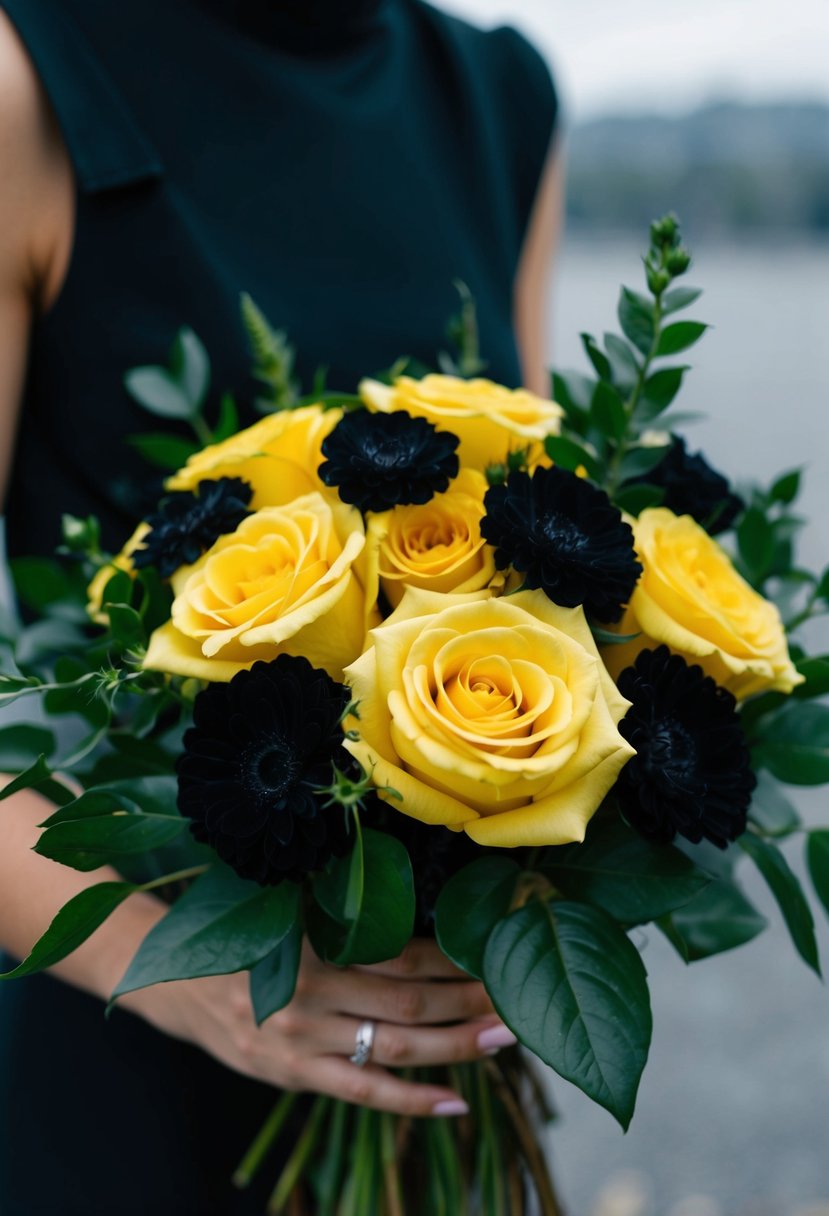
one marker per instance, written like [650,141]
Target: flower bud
[678,261]
[665,231]
[658,280]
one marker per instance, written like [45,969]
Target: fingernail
[452,1106]
[495,1037]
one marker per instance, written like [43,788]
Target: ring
[364,1044]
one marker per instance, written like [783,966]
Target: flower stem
[296,1162]
[177,876]
[391,1174]
[253,1158]
[530,1148]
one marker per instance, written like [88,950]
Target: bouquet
[439,657]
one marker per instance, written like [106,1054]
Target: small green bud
[658,280]
[665,231]
[81,535]
[677,261]
[496,474]
[517,461]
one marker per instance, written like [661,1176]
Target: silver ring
[364,1044]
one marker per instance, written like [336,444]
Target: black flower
[378,461]
[189,522]
[691,773]
[566,537]
[260,748]
[693,488]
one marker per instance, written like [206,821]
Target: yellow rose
[283,582]
[691,598]
[279,456]
[122,561]
[492,715]
[491,421]
[437,546]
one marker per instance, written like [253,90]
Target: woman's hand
[426,1012]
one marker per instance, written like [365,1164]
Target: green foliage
[793,743]
[273,980]
[273,359]
[787,891]
[817,859]
[566,979]
[469,907]
[168,452]
[719,918]
[462,332]
[179,390]
[74,923]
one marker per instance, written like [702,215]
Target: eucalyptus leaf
[222,924]
[469,906]
[158,392]
[572,987]
[632,879]
[191,366]
[273,980]
[786,890]
[720,918]
[75,922]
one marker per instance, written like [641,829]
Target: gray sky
[667,55]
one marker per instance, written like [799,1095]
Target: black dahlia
[691,773]
[693,488]
[566,537]
[378,461]
[260,748]
[189,522]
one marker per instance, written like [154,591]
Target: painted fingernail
[452,1106]
[495,1037]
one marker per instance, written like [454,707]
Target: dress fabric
[343,161]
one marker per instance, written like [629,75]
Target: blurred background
[720,111]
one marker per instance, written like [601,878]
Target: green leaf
[658,391]
[635,499]
[607,411]
[191,367]
[720,918]
[228,421]
[86,844]
[817,859]
[794,743]
[755,541]
[163,451]
[273,980]
[771,810]
[787,487]
[126,626]
[573,391]
[606,637]
[158,392]
[574,990]
[40,583]
[37,772]
[786,890]
[816,673]
[368,901]
[636,319]
[678,298]
[638,462]
[597,357]
[471,903]
[20,746]
[624,363]
[570,455]
[630,878]
[75,922]
[222,924]
[679,336]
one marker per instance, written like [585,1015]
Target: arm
[532,280]
[427,1011]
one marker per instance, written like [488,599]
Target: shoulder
[34,168]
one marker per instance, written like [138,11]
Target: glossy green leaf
[31,777]
[679,336]
[570,455]
[86,844]
[720,918]
[638,462]
[607,411]
[624,363]
[636,319]
[471,903]
[786,890]
[817,859]
[678,298]
[632,879]
[787,487]
[222,924]
[771,810]
[793,744]
[816,678]
[228,420]
[573,391]
[637,498]
[75,922]
[273,980]
[572,987]
[21,744]
[755,540]
[658,391]
[597,357]
[168,452]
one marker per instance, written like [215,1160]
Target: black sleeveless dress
[342,161]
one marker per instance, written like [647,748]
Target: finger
[406,1046]
[380,1090]
[421,959]
[409,1002]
